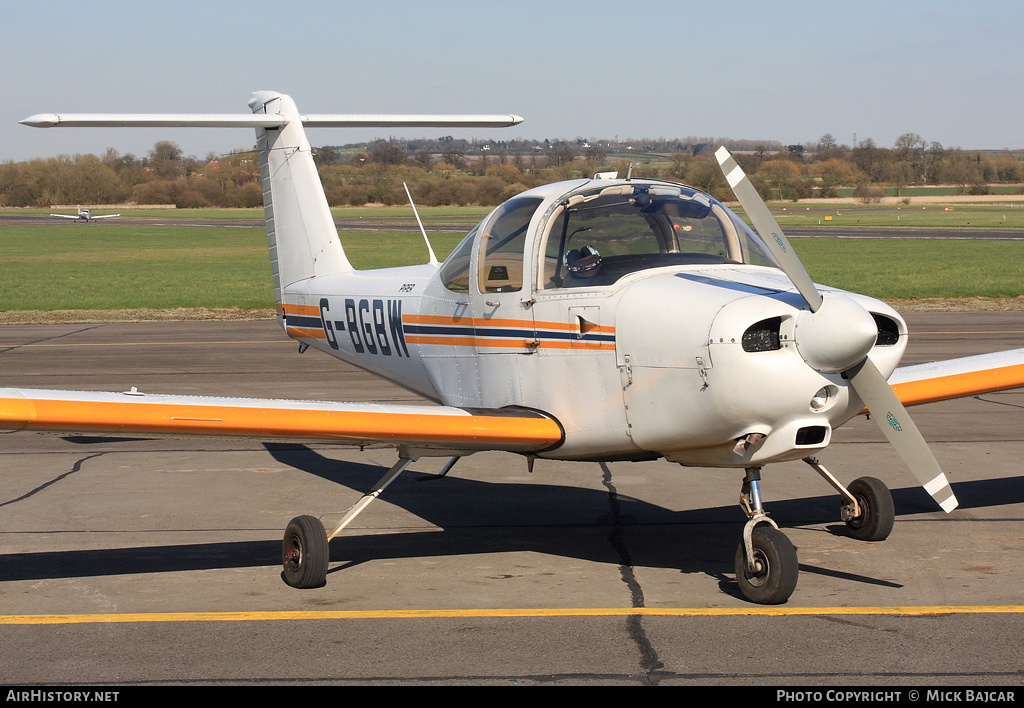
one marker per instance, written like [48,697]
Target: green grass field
[959,216]
[113,267]
[105,268]
[1008,214]
[122,266]
[426,212]
[892,269]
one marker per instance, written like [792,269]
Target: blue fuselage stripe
[303,321]
[442,330]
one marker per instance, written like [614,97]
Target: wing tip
[41,120]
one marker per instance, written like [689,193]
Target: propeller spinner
[835,336]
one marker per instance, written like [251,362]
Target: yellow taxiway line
[143,617]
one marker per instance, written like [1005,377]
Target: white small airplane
[85,215]
[596,319]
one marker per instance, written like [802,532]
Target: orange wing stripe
[474,430]
[942,388]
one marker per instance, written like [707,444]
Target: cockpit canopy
[596,234]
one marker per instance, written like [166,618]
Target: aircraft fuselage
[663,361]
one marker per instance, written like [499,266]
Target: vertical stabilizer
[301,234]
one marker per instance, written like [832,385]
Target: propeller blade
[900,430]
[864,377]
[767,228]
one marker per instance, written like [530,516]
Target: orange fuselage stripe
[508,343]
[306,333]
[484,322]
[311,310]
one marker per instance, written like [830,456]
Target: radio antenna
[433,258]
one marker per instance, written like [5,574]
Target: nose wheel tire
[305,553]
[877,512]
[773,578]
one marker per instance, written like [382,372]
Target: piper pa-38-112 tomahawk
[595,319]
[85,215]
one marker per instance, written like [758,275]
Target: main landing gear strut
[766,562]
[305,552]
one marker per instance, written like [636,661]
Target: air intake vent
[888,331]
[811,435]
[763,336]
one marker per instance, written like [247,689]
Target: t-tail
[303,240]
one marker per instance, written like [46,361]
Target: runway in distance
[85,215]
[596,319]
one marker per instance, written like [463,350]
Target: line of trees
[164,176]
[448,171]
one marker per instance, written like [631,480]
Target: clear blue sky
[951,72]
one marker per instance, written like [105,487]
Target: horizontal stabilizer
[264,120]
[153,120]
[410,121]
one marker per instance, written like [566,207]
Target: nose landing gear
[766,563]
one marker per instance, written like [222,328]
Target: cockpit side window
[503,243]
[455,270]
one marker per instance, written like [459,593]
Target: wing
[957,378]
[445,429]
[104,216]
[66,216]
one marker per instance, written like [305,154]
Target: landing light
[823,398]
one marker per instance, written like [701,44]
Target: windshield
[596,237]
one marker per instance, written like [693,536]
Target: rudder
[301,234]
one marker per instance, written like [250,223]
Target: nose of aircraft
[837,336]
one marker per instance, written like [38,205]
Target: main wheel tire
[877,512]
[305,553]
[776,577]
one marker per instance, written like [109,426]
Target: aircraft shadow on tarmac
[477,517]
